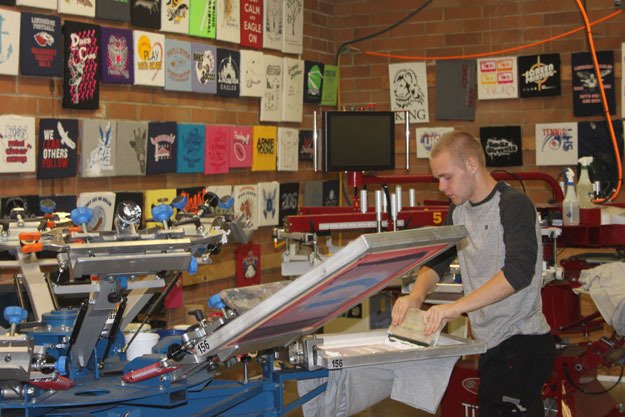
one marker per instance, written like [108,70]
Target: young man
[500,264]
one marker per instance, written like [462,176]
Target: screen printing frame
[363,267]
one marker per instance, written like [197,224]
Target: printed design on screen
[331,199]
[306,150]
[497,78]
[163,146]
[428,139]
[100,158]
[176,11]
[194,199]
[117,57]
[269,205]
[588,79]
[150,55]
[44,39]
[217,152]
[207,18]
[228,74]
[204,66]
[408,91]
[152,6]
[248,203]
[192,148]
[288,142]
[539,74]
[291,13]
[55,148]
[250,265]
[330,85]
[273,20]
[556,143]
[82,64]
[240,142]
[555,139]
[251,23]
[86,3]
[274,87]
[265,147]
[499,147]
[15,144]
[139,144]
[253,73]
[177,64]
[231,15]
[315,77]
[288,201]
[100,205]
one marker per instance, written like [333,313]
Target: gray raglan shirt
[504,234]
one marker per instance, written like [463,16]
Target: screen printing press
[52,377]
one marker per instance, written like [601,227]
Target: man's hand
[401,307]
[435,317]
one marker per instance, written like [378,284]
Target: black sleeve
[440,263]
[518,218]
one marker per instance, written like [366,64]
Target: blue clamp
[162,212]
[81,215]
[47,207]
[226,204]
[123,282]
[15,314]
[193,265]
[215,301]
[180,203]
[61,365]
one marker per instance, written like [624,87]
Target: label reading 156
[337,363]
[202,347]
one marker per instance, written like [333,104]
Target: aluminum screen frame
[360,269]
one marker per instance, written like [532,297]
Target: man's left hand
[435,317]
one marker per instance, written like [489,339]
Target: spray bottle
[584,187]
[570,205]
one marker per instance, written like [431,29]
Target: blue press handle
[47,207]
[227,204]
[193,266]
[81,215]
[162,212]
[180,203]
[61,365]
[215,301]
[15,314]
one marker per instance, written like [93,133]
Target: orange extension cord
[483,54]
[587,25]
[604,101]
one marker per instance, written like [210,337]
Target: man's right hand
[402,305]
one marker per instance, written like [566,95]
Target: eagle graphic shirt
[81,86]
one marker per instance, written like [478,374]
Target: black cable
[378,33]
[505,171]
[582,390]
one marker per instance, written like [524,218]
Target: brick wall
[455,27]
[445,27]
[41,97]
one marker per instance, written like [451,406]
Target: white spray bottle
[570,205]
[584,188]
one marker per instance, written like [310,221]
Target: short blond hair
[460,145]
